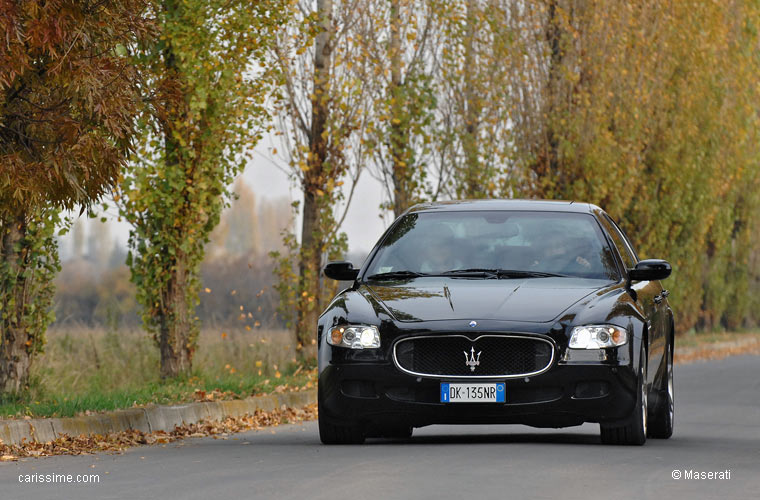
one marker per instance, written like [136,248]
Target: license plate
[473,393]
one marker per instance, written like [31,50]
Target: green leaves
[27,270]
[658,127]
[206,113]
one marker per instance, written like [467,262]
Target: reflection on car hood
[529,300]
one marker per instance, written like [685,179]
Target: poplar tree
[205,92]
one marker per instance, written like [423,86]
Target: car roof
[506,205]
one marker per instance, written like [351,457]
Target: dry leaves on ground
[717,351]
[83,445]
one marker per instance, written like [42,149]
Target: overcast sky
[362,224]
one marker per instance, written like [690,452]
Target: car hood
[535,300]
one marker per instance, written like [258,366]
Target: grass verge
[708,346]
[90,370]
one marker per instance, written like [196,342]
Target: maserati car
[498,312]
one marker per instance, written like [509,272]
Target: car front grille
[456,355]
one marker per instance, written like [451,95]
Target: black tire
[663,419]
[634,431]
[331,432]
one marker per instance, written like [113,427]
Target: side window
[620,243]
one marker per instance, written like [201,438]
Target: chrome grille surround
[473,340]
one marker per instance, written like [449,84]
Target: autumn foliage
[68,98]
[647,109]
[68,101]
[203,113]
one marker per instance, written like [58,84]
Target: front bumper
[567,394]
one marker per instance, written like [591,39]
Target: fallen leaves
[215,395]
[718,350]
[119,441]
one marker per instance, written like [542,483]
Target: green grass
[94,370]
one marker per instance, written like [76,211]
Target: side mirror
[650,270]
[341,271]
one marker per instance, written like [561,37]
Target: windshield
[506,243]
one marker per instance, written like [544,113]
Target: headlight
[597,337]
[354,336]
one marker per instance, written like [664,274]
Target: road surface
[717,429]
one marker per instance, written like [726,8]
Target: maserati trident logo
[471,360]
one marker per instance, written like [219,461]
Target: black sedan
[498,311]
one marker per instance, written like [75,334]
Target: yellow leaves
[207,290]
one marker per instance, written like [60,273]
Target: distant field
[95,369]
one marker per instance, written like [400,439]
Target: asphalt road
[717,428]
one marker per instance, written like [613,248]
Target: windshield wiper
[473,272]
[396,274]
[500,273]
[516,273]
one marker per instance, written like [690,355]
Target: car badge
[473,324]
[471,360]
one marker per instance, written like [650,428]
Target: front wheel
[332,432]
[633,432]
[663,418]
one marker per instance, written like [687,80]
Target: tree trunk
[398,142]
[473,186]
[175,316]
[312,234]
[176,324]
[15,355]
[309,270]
[549,167]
